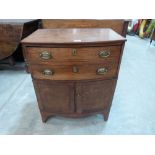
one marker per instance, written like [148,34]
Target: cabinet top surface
[73,36]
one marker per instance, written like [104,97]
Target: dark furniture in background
[11,33]
[118,25]
[74,71]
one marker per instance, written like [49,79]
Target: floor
[132,111]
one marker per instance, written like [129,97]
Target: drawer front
[69,55]
[75,72]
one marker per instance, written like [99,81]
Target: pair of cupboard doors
[74,98]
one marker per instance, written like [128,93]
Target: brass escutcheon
[74,52]
[75,69]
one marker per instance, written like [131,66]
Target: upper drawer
[36,55]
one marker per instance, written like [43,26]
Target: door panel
[56,97]
[94,96]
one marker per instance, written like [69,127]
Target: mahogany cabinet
[74,71]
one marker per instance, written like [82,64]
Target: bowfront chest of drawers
[74,71]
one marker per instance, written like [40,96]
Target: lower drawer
[74,72]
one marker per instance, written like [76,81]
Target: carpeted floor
[132,112]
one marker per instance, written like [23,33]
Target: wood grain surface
[66,55]
[65,72]
[9,39]
[73,36]
[11,33]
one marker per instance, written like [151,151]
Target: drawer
[75,72]
[68,55]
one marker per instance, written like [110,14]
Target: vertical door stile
[74,87]
[78,96]
[72,97]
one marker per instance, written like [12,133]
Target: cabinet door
[94,96]
[55,97]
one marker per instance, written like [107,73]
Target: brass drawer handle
[45,55]
[74,52]
[102,71]
[75,69]
[104,54]
[48,72]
